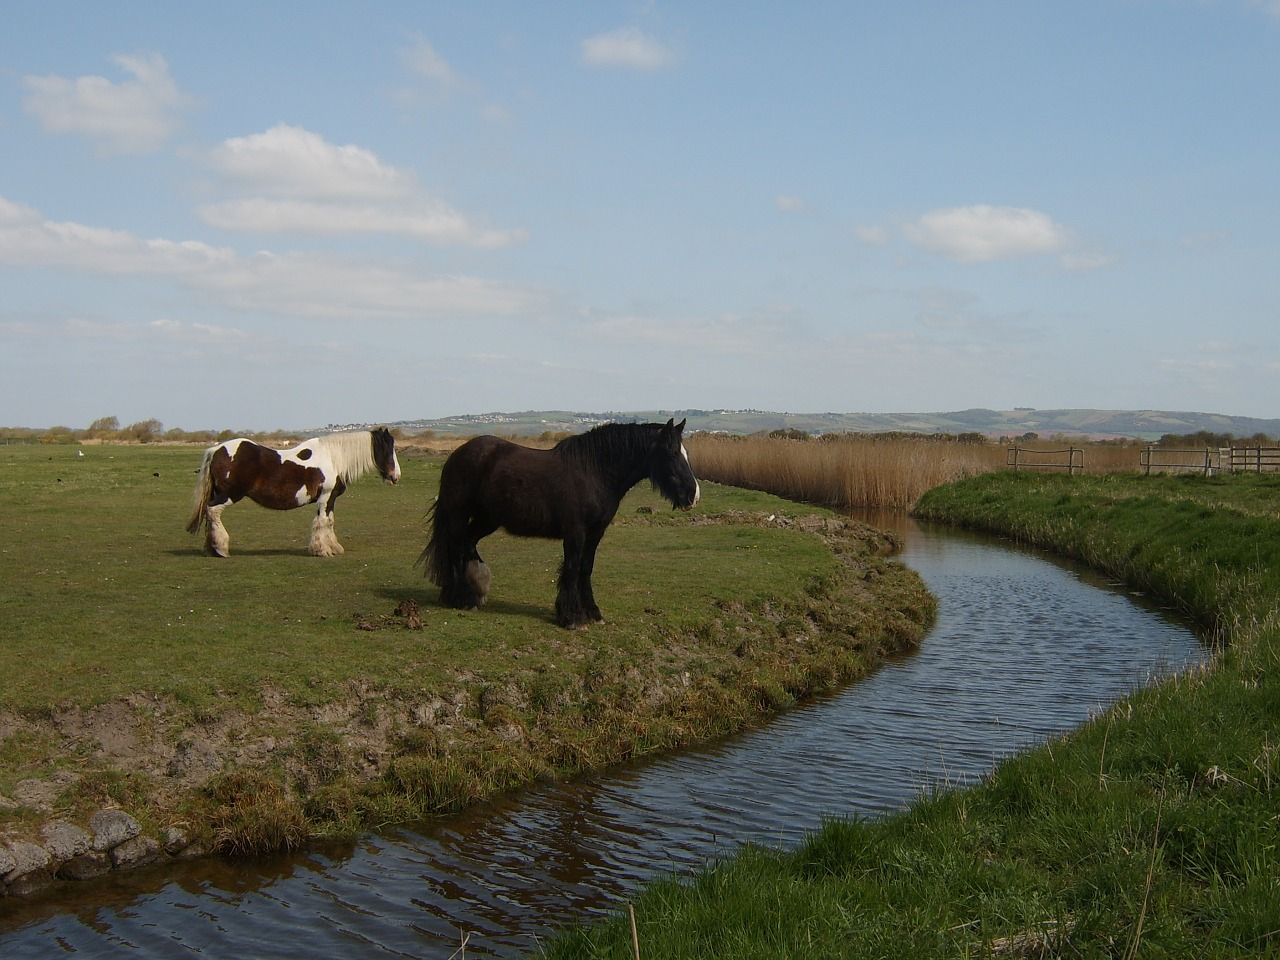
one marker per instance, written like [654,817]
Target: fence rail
[1023,458]
[1252,459]
[1203,460]
[1210,461]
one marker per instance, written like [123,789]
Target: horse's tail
[203,491]
[438,556]
[449,558]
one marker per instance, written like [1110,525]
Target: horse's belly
[275,498]
[517,529]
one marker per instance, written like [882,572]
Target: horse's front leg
[584,578]
[324,539]
[324,542]
[571,611]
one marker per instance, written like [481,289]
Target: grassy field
[1154,831]
[273,696]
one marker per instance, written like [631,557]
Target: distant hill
[1096,424]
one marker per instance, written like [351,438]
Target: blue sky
[261,215]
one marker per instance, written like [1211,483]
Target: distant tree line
[109,430]
[1207,438]
[886,435]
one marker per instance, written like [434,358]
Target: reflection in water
[1024,648]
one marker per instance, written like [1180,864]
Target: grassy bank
[1154,831]
[273,696]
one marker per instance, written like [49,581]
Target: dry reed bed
[865,470]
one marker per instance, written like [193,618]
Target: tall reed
[840,472]
[867,470]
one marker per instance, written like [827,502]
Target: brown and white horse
[315,471]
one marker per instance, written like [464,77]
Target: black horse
[570,492]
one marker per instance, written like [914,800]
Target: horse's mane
[609,441]
[352,453]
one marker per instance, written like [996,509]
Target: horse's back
[507,485]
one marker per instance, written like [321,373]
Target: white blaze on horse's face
[394,475]
[697,488]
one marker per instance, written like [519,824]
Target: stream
[1025,647]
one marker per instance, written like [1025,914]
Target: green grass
[1154,831]
[273,695]
[104,588]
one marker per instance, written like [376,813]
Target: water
[1024,648]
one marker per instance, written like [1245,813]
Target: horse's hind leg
[478,577]
[217,541]
[324,538]
[465,584]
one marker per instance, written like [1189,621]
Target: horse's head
[384,455]
[669,468]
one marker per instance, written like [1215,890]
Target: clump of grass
[251,813]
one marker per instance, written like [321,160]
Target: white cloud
[297,182]
[27,239]
[421,58]
[790,203]
[131,117]
[310,285]
[728,334]
[1086,262]
[292,284]
[625,47]
[1213,237]
[983,233]
[422,220]
[200,333]
[872,236]
[288,161]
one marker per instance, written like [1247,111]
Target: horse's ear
[680,427]
[671,423]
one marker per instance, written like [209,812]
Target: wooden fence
[1205,460]
[1251,459]
[1023,458]
[1209,461]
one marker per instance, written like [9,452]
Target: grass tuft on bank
[1154,831]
